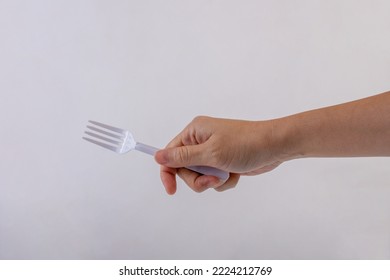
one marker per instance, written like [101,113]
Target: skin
[359,128]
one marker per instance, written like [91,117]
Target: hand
[357,128]
[235,146]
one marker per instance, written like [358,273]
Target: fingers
[230,183]
[183,156]
[191,148]
[168,178]
[200,183]
[197,182]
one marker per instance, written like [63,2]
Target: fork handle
[146,148]
[205,170]
[208,170]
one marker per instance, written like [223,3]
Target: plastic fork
[122,141]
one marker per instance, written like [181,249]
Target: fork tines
[111,139]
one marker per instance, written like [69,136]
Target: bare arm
[353,129]
[358,128]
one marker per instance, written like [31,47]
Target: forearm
[358,128]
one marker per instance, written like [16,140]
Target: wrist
[286,139]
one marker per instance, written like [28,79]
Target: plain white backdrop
[152,66]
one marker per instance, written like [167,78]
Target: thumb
[182,156]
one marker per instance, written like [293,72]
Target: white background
[151,66]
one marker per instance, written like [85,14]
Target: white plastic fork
[122,141]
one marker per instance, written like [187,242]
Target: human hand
[357,128]
[236,146]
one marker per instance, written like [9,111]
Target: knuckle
[199,119]
[185,155]
[198,189]
[181,155]
[199,186]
